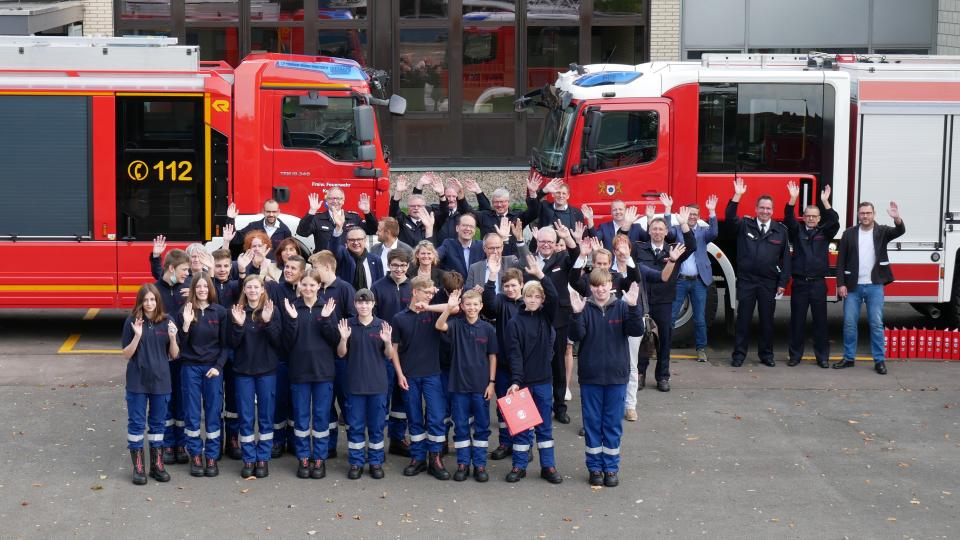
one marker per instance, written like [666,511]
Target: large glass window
[548,154]
[481,10]
[550,49]
[276,10]
[616,45]
[423,77]
[342,10]
[617,8]
[307,123]
[627,138]
[489,67]
[216,43]
[555,12]
[423,9]
[221,10]
[349,43]
[144,10]
[285,39]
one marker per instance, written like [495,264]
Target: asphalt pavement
[750,452]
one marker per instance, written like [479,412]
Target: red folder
[887,344]
[954,344]
[911,343]
[938,344]
[897,343]
[519,411]
[921,343]
[931,342]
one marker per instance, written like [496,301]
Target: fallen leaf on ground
[852,422]
[693,437]
[914,501]
[245,490]
[891,519]
[96,487]
[774,520]
[903,464]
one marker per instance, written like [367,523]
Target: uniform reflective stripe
[321,434]
[290,423]
[228,414]
[266,436]
[436,438]
[470,420]
[191,433]
[481,444]
[418,438]
[376,445]
[521,448]
[334,425]
[280,425]
[461,444]
[356,445]
[398,414]
[134,438]
[301,434]
[448,420]
[503,424]
[247,438]
[155,438]
[179,423]
[168,423]
[592,450]
[545,444]
[611,451]
[213,435]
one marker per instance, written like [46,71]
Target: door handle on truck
[651,194]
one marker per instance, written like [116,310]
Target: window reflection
[145,9]
[488,69]
[220,10]
[342,9]
[423,73]
[616,45]
[278,40]
[550,49]
[216,43]
[350,43]
[276,10]
[540,11]
[423,9]
[617,8]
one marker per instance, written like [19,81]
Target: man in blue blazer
[696,273]
[355,264]
[456,255]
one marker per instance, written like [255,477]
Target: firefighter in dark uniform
[809,265]
[321,224]
[763,268]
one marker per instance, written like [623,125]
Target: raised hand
[684,214]
[516,227]
[328,308]
[578,230]
[454,300]
[630,216]
[534,179]
[314,200]
[503,228]
[239,314]
[172,329]
[650,213]
[436,183]
[344,328]
[267,312]
[676,251]
[630,295]
[424,180]
[455,184]
[587,214]
[232,211]
[586,247]
[363,205]
[159,244]
[794,190]
[244,259]
[493,265]
[288,307]
[622,252]
[553,185]
[825,194]
[562,231]
[338,217]
[533,268]
[386,333]
[712,203]
[206,259]
[894,211]
[258,259]
[401,185]
[667,202]
[472,186]
[739,186]
[137,325]
[577,303]
[187,314]
[229,232]
[428,219]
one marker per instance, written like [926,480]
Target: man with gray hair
[412,228]
[489,219]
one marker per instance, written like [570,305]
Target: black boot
[211,469]
[196,466]
[463,471]
[139,472]
[551,474]
[319,469]
[376,472]
[415,467]
[276,451]
[181,454]
[515,474]
[261,469]
[501,452]
[399,447]
[169,458]
[303,469]
[157,470]
[247,470]
[480,474]
[435,466]
[233,448]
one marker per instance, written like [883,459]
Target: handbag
[650,343]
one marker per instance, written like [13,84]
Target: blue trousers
[311,402]
[448,399]
[261,388]
[173,435]
[206,394]
[397,418]
[137,419]
[603,424]
[543,397]
[427,431]
[231,420]
[500,385]
[366,415]
[697,291]
[872,295]
[471,449]
[282,412]
[340,397]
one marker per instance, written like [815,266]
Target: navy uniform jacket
[450,255]
[760,258]
[557,269]
[228,292]
[391,298]
[639,273]
[366,363]
[255,344]
[148,371]
[529,337]
[471,345]
[602,332]
[411,232]
[312,340]
[282,233]
[418,342]
[811,247]
[500,309]
[342,293]
[663,292]
[171,296]
[207,342]
[321,226]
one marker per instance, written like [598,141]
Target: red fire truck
[108,142]
[874,128]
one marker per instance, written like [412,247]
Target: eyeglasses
[357,240]
[811,216]
[334,198]
[398,266]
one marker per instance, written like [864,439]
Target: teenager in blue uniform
[203,352]
[392,292]
[602,324]
[311,335]
[366,343]
[176,269]
[417,345]
[473,344]
[149,343]
[451,281]
[530,338]
[255,338]
[228,291]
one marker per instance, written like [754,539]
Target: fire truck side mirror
[591,133]
[398,104]
[367,152]
[363,123]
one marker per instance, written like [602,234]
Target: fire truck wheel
[683,325]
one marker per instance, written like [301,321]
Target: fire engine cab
[108,142]
[874,128]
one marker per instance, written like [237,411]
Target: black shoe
[823,363]
[182,456]
[276,451]
[319,469]
[501,452]
[169,458]
[769,362]
[247,470]
[435,467]
[463,471]
[843,364]
[663,386]
[736,362]
[642,381]
[233,448]
[793,361]
[516,474]
[480,474]
[376,472]
[415,467]
[196,466]
[610,479]
[211,469]
[303,468]
[139,470]
[551,474]
[399,448]
[331,453]
[261,469]
[581,433]
[157,470]
[880,367]
[562,417]
[355,472]
[596,478]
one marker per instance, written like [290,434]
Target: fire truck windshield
[548,155]
[328,129]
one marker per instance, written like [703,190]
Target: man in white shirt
[388,232]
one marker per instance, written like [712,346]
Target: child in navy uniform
[602,324]
[366,343]
[149,344]
[473,344]
[176,269]
[530,337]
[228,290]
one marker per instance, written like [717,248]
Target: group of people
[270,349]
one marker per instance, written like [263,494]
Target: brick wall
[664,30]
[948,27]
[97,17]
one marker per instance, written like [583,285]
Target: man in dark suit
[412,225]
[494,248]
[271,224]
[560,210]
[489,219]
[354,264]
[458,254]
[863,269]
[455,200]
[320,224]
[763,269]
